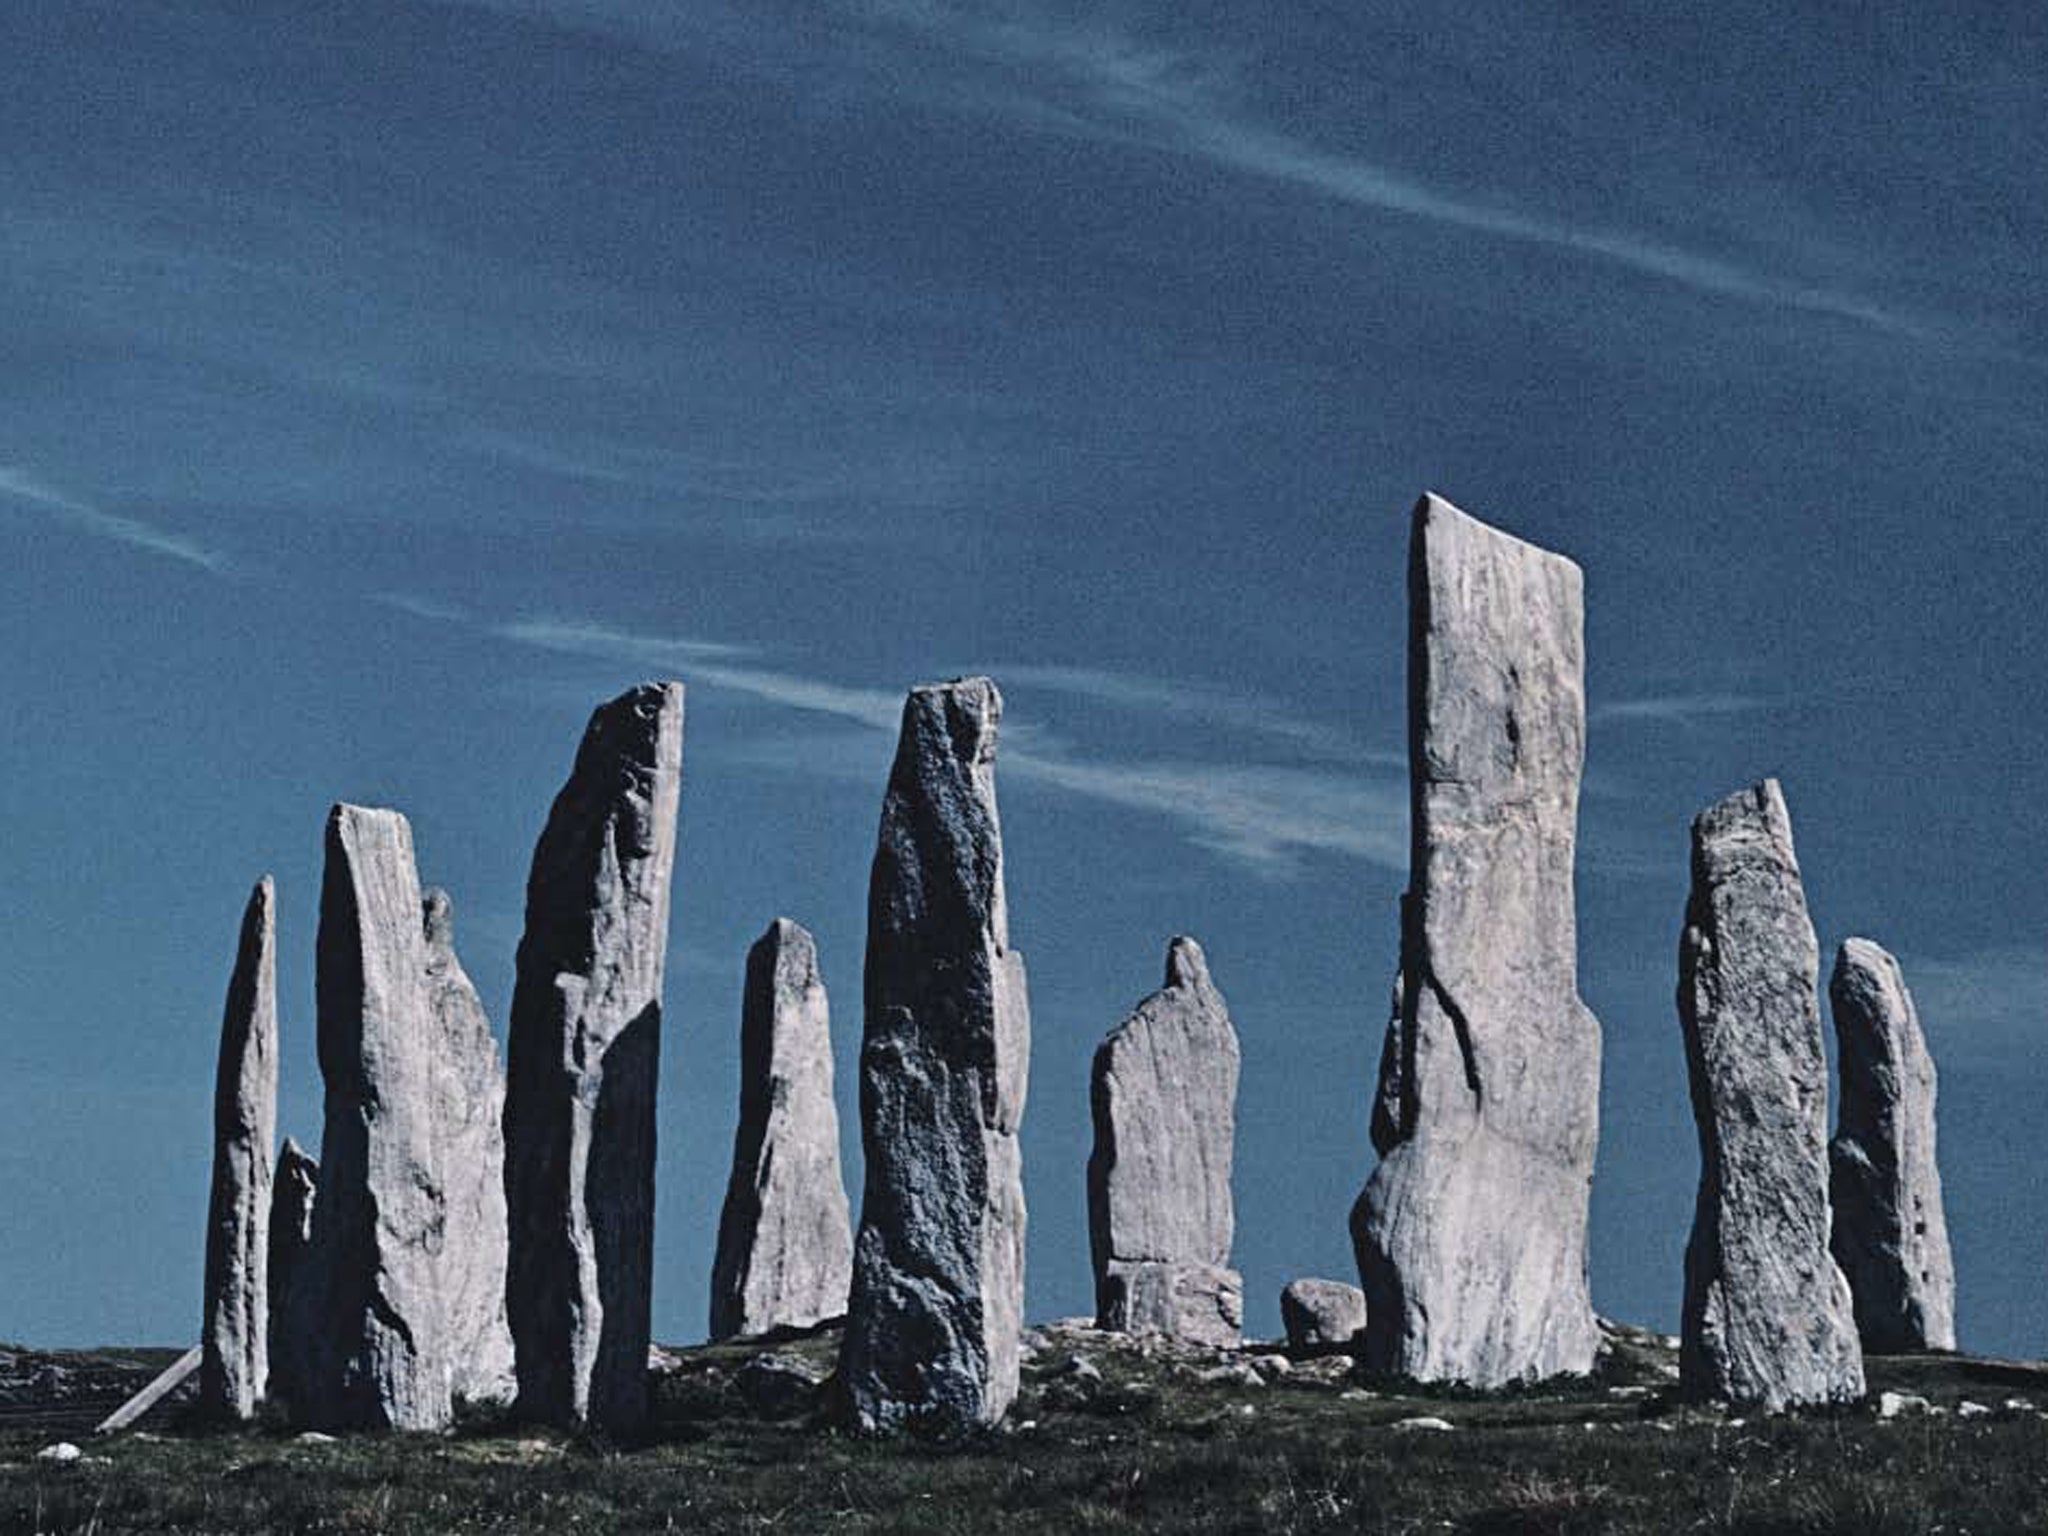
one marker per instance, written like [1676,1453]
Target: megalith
[469,1108]
[583,1055]
[234,1365]
[1767,1320]
[933,1323]
[291,1232]
[1890,1230]
[785,1243]
[1164,1098]
[1471,1233]
[366,1303]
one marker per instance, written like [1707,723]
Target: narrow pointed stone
[932,1329]
[785,1243]
[367,1303]
[1160,1218]
[1890,1228]
[583,1057]
[469,1108]
[291,1232]
[1471,1234]
[234,1367]
[1767,1320]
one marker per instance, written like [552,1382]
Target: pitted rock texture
[1471,1234]
[234,1366]
[292,1192]
[468,1108]
[1890,1230]
[1160,1220]
[785,1241]
[584,1056]
[366,1303]
[938,1276]
[1767,1318]
[1321,1315]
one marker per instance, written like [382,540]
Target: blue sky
[386,383]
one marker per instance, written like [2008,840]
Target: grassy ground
[1150,1446]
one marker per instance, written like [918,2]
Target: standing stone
[234,1367]
[367,1308]
[1471,1234]
[584,1051]
[933,1325]
[291,1232]
[785,1245]
[1164,1094]
[1767,1318]
[1890,1233]
[469,1108]
[1321,1315]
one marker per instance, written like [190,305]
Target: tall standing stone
[367,1306]
[584,1052]
[933,1325]
[1767,1317]
[234,1366]
[1164,1096]
[1891,1232]
[291,1233]
[1471,1234]
[469,1108]
[785,1244]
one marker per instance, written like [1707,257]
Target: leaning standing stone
[1767,1317]
[1164,1096]
[785,1244]
[1890,1232]
[1471,1234]
[583,1055]
[933,1325]
[234,1366]
[291,1231]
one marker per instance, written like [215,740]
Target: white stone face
[938,1290]
[1767,1317]
[1471,1234]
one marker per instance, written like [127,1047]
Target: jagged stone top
[294,1156]
[1186,965]
[939,817]
[1745,831]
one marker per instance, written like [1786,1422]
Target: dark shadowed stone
[1164,1098]
[291,1231]
[584,1056]
[1471,1234]
[1321,1315]
[1767,1318]
[938,1278]
[785,1243]
[1891,1231]
[234,1366]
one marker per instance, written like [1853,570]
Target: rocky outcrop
[234,1367]
[1471,1234]
[1321,1315]
[785,1243]
[933,1323]
[1890,1231]
[468,1110]
[1767,1318]
[291,1231]
[366,1304]
[1164,1096]
[583,1058]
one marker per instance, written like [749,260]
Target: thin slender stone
[293,1190]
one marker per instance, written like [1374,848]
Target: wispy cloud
[83,517]
[1680,708]
[420,607]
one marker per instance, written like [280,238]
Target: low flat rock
[785,1241]
[1767,1320]
[1160,1219]
[1890,1227]
[1321,1315]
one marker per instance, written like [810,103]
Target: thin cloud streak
[1680,708]
[83,517]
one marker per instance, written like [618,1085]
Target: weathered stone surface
[1160,1220]
[1321,1314]
[1767,1318]
[938,1274]
[584,1052]
[234,1368]
[779,1386]
[1471,1234]
[366,1303]
[468,1108]
[291,1232]
[1890,1230]
[785,1242]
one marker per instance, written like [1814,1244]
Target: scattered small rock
[1356,1395]
[1272,1365]
[1082,1369]
[1239,1375]
[63,1450]
[1972,1411]
[314,1437]
[1890,1405]
[1425,1422]
[1628,1392]
[2018,1405]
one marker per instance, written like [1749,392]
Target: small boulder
[1321,1315]
[779,1386]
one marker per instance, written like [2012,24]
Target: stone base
[1196,1303]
